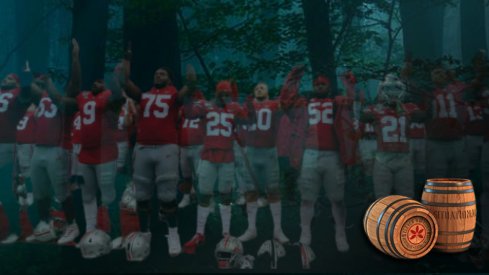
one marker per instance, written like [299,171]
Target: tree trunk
[422,23]
[32,34]
[90,29]
[473,36]
[152,28]
[320,39]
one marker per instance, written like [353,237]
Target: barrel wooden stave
[387,220]
[452,202]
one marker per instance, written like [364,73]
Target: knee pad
[204,200]
[226,198]
[144,206]
[251,196]
[274,194]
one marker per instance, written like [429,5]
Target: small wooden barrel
[400,227]
[452,202]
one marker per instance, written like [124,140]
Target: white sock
[202,213]
[276,210]
[173,231]
[225,218]
[251,209]
[307,213]
[90,209]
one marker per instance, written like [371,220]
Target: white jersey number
[161,106]
[317,116]
[446,104]
[89,113]
[263,120]
[4,101]
[393,129]
[191,123]
[77,123]
[22,123]
[216,119]
[43,110]
[475,113]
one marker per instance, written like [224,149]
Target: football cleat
[70,234]
[191,246]
[174,246]
[12,238]
[248,235]
[279,236]
[44,232]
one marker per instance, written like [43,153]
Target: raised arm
[290,90]
[190,86]
[73,88]
[69,103]
[129,87]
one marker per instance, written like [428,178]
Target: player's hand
[27,69]
[128,52]
[75,52]
[190,74]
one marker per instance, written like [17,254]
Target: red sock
[4,224]
[103,219]
[59,220]
[129,221]
[25,224]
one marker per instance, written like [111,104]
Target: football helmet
[274,249]
[392,89]
[137,246]
[128,199]
[226,252]
[95,244]
[307,256]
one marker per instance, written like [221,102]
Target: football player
[220,117]
[14,101]
[156,150]
[262,154]
[393,168]
[98,109]
[191,137]
[316,152]
[51,159]
[445,147]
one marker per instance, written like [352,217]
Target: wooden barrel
[400,227]
[452,202]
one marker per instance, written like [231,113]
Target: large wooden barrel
[452,202]
[400,227]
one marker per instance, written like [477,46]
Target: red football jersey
[49,122]
[474,123]
[263,133]
[320,130]
[76,129]
[391,129]
[10,114]
[26,129]
[219,127]
[448,111]
[97,128]
[191,130]
[157,122]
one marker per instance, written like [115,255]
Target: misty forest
[250,42]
